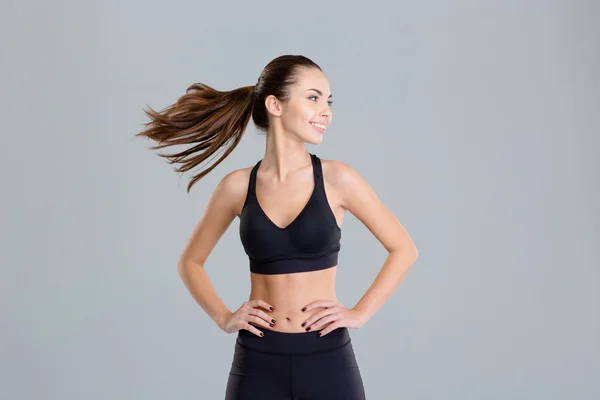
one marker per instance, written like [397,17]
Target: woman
[292,333]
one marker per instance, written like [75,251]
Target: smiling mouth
[319,127]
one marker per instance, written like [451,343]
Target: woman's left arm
[359,198]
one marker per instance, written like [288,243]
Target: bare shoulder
[335,169]
[233,188]
[236,181]
[343,178]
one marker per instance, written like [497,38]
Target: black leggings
[294,366]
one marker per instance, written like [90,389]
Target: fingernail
[304,323]
[271,308]
[271,325]
[272,320]
[304,309]
[320,335]
[262,334]
[308,329]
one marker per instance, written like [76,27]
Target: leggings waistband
[288,343]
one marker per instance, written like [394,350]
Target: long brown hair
[209,119]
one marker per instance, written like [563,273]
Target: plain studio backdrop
[476,122]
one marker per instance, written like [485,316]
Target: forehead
[312,78]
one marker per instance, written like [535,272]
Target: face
[307,113]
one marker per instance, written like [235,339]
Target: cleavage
[292,198]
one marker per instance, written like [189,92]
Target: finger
[255,320]
[261,314]
[326,320]
[330,328]
[252,329]
[318,315]
[261,304]
[320,303]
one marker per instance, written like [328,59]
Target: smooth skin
[303,301]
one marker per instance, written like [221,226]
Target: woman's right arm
[217,217]
[220,211]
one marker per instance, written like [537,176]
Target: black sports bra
[310,242]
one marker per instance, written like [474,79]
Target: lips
[319,127]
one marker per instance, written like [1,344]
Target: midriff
[289,293]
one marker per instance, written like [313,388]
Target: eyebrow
[318,91]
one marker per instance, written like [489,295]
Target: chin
[313,139]
[310,137]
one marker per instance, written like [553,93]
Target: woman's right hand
[250,311]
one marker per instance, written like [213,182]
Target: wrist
[221,319]
[363,317]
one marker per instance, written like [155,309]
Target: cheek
[298,118]
[302,114]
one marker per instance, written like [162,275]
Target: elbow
[409,254]
[186,265]
[407,250]
[414,253]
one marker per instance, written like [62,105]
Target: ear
[273,105]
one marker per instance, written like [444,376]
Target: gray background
[477,123]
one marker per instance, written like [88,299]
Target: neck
[284,154]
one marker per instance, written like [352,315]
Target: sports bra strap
[318,173]
[253,179]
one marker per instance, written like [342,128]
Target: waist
[293,265]
[290,293]
[285,343]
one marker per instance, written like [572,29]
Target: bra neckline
[310,199]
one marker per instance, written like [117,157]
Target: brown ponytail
[209,119]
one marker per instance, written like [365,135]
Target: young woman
[292,333]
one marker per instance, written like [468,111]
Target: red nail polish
[304,309]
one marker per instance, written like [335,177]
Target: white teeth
[318,125]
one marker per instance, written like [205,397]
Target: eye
[330,102]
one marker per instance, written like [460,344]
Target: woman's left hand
[334,314]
